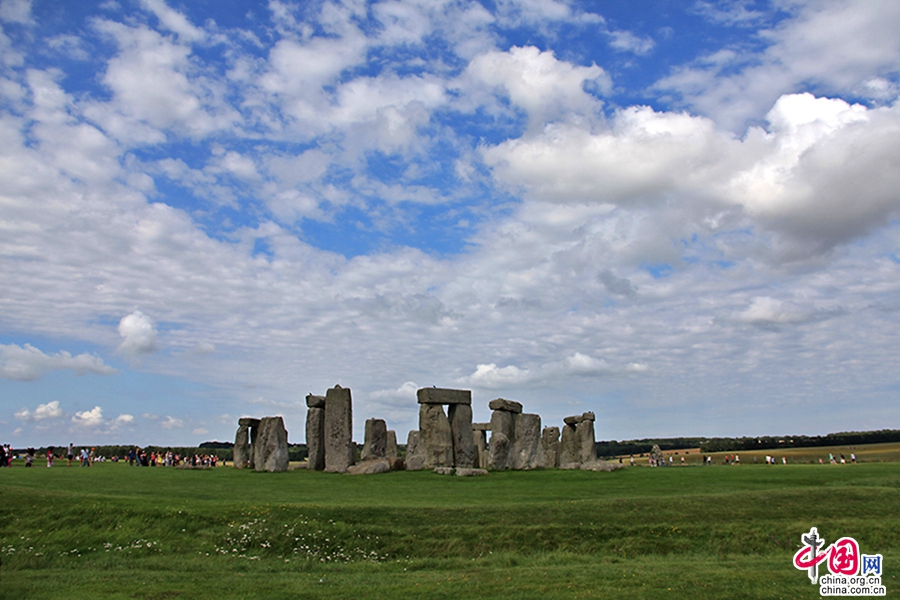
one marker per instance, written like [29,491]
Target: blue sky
[679,215]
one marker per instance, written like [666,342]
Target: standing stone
[339,446]
[569,445]
[500,448]
[315,438]
[504,422]
[375,444]
[241,447]
[460,416]
[548,456]
[415,456]
[435,436]
[390,447]
[528,440]
[585,430]
[481,454]
[270,450]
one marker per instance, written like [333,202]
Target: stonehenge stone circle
[370,467]
[479,432]
[339,447]
[270,449]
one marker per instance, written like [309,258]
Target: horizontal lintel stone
[443,396]
[507,405]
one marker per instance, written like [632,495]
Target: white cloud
[139,333]
[535,81]
[200,431]
[172,423]
[50,410]
[16,11]
[174,21]
[27,363]
[802,53]
[124,419]
[89,418]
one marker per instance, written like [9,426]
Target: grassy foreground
[113,531]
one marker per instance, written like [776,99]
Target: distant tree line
[724,444]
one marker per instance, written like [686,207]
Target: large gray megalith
[243,442]
[435,436]
[548,455]
[339,447]
[315,432]
[460,416]
[375,444]
[528,441]
[270,449]
[415,455]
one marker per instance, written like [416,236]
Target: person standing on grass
[853,458]
[70,455]
[50,457]
[85,457]
[29,457]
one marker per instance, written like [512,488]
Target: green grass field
[113,531]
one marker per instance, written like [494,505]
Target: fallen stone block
[370,467]
[464,472]
[443,470]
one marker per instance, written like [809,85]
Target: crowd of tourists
[86,456]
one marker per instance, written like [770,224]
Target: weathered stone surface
[464,472]
[570,466]
[500,448]
[435,436]
[585,430]
[415,456]
[569,446]
[270,449]
[370,467]
[481,454]
[397,464]
[481,426]
[315,438]
[548,455]
[315,401]
[528,440]
[572,420]
[588,416]
[390,447]
[375,444]
[460,416]
[504,422]
[241,456]
[443,396]
[507,405]
[339,446]
[248,422]
[444,470]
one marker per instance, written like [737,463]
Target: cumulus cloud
[139,334]
[27,363]
[89,418]
[50,410]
